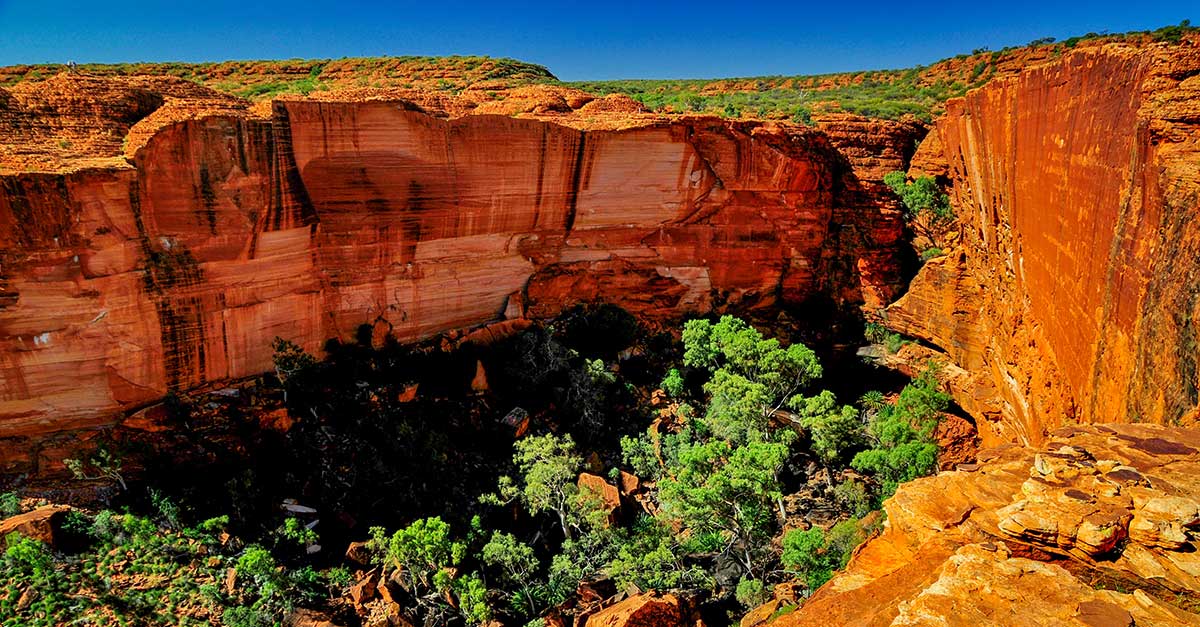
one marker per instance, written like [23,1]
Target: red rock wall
[176,270]
[1076,185]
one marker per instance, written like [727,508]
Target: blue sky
[577,41]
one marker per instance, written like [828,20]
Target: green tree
[833,429]
[518,567]
[752,593]
[293,365]
[902,434]
[548,467]
[921,196]
[752,376]
[727,490]
[424,553]
[650,557]
[673,383]
[815,554]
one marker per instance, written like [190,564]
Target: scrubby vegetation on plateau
[634,462]
[920,91]
[890,94]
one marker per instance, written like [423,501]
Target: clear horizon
[624,41]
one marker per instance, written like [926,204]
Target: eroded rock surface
[1072,294]
[169,259]
[1035,536]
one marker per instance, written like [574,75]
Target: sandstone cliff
[1073,293]
[1099,527]
[156,236]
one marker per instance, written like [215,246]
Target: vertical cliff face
[1073,295]
[220,228]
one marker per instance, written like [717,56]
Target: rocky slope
[1072,294]
[156,235]
[1098,527]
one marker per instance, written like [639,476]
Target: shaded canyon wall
[175,269]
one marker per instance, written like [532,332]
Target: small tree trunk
[562,521]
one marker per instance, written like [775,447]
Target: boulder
[364,589]
[594,486]
[43,523]
[642,610]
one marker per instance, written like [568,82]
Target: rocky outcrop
[170,259]
[1073,293]
[1100,525]
[43,524]
[643,610]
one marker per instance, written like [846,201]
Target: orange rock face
[1029,537]
[1073,295]
[643,610]
[225,227]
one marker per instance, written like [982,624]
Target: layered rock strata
[170,259]
[1100,526]
[1073,293]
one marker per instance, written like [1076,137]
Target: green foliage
[804,552]
[853,497]
[472,599]
[422,551]
[294,532]
[815,554]
[931,252]
[879,334]
[548,467]
[921,197]
[517,565]
[717,488]
[673,383]
[902,434]
[10,504]
[650,558]
[639,455]
[751,593]
[293,366]
[427,558]
[103,465]
[1174,34]
[751,376]
[142,571]
[833,429]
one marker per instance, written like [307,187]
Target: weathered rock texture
[1035,537]
[1074,293]
[170,259]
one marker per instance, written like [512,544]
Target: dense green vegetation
[921,197]
[889,94]
[138,570]
[743,424]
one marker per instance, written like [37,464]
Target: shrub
[751,593]
[853,497]
[10,504]
[902,434]
[922,196]
[815,554]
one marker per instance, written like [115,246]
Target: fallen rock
[643,610]
[308,618]
[364,589]
[359,553]
[606,494]
[43,524]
